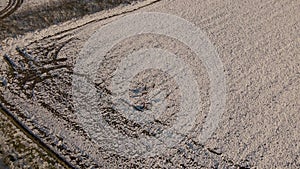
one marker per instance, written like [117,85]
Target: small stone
[190,145]
[3,81]
[59,143]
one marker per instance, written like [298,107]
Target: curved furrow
[11,7]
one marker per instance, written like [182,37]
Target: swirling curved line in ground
[11,7]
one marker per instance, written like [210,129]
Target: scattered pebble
[3,81]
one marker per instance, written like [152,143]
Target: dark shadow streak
[35,138]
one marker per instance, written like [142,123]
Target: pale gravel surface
[259,44]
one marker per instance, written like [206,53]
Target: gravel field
[257,42]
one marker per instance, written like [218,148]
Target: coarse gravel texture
[258,42]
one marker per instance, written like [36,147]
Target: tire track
[29,62]
[35,138]
[11,7]
[42,16]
